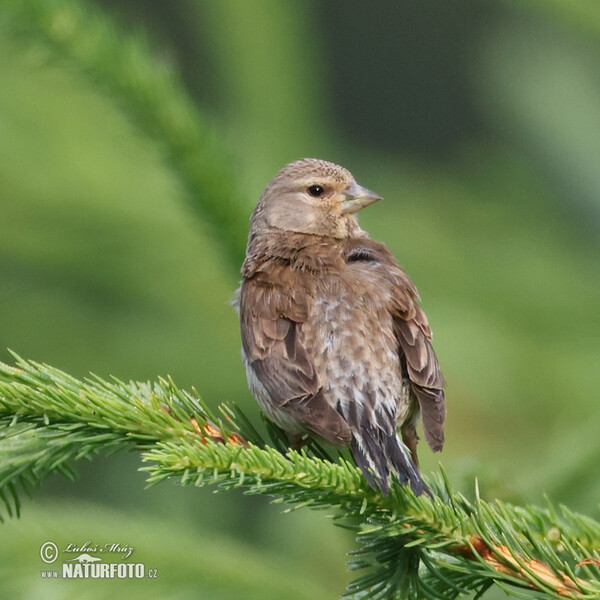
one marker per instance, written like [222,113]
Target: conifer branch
[410,547]
[152,95]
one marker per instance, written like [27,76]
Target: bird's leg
[411,439]
[297,440]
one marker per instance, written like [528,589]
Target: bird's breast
[350,325]
[350,336]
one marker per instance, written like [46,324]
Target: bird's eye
[315,191]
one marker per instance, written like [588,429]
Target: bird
[334,341]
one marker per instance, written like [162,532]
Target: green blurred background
[479,122]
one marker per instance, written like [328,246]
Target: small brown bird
[333,340]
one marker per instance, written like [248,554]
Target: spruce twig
[410,547]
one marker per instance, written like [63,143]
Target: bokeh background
[479,123]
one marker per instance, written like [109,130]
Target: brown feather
[272,346]
[414,337]
[426,378]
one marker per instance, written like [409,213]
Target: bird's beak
[357,197]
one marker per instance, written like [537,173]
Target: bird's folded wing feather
[271,315]
[414,338]
[426,377]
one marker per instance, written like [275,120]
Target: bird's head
[312,196]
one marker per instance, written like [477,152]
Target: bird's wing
[272,309]
[414,338]
[425,375]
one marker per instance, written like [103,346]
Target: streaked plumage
[333,339]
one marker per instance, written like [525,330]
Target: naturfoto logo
[87,561]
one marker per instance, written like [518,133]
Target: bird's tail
[378,453]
